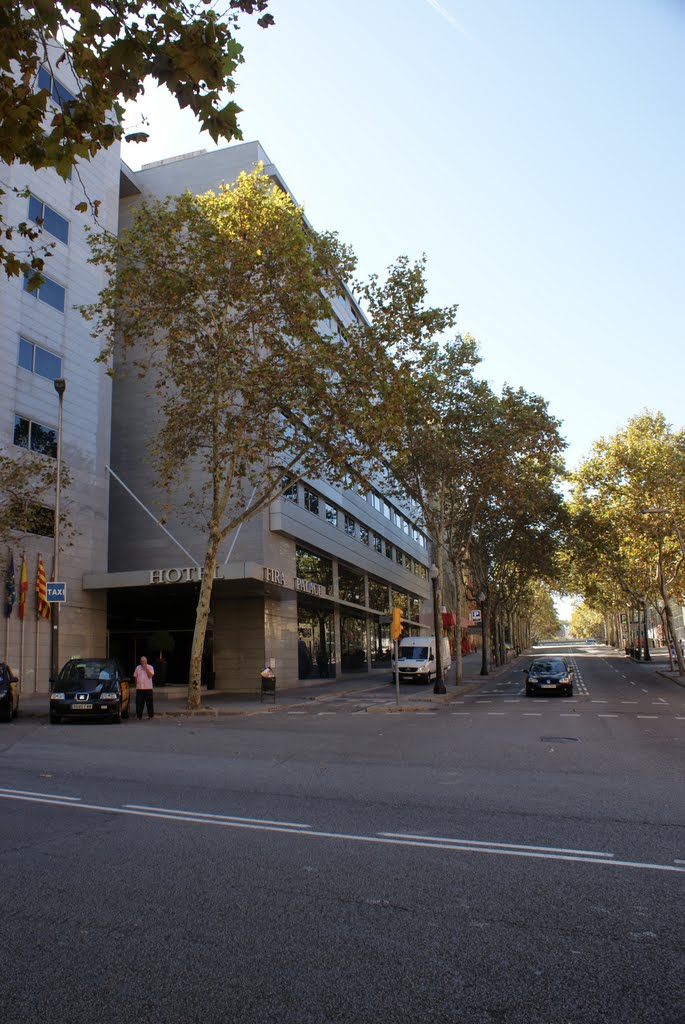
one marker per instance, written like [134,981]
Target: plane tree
[633,485]
[115,49]
[223,304]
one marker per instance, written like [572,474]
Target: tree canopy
[112,48]
[223,302]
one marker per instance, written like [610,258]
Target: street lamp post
[439,685]
[60,387]
[484,656]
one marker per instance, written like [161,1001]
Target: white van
[417,658]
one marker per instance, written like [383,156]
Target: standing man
[143,677]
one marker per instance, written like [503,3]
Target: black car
[90,688]
[9,693]
[549,675]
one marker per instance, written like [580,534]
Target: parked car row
[84,688]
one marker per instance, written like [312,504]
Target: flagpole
[35,672]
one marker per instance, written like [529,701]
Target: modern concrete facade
[43,336]
[305,587]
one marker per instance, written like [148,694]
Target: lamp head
[60,386]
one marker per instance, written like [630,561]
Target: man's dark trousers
[144,700]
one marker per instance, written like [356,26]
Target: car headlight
[4,690]
[109,696]
[56,696]
[532,679]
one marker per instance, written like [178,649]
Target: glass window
[376,501]
[311,501]
[331,514]
[45,364]
[46,217]
[31,518]
[43,440]
[289,489]
[399,557]
[350,527]
[350,586]
[378,596]
[363,534]
[407,561]
[417,567]
[400,600]
[414,608]
[378,543]
[49,291]
[35,436]
[26,354]
[405,526]
[387,511]
[314,568]
[21,432]
[388,549]
[59,93]
[39,360]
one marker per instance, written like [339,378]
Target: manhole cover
[559,739]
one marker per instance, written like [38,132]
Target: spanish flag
[23,588]
[42,606]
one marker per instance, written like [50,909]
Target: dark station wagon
[90,688]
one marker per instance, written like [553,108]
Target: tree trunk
[673,637]
[485,634]
[459,584]
[201,619]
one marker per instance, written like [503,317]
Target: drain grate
[559,739]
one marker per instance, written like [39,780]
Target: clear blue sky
[533,149]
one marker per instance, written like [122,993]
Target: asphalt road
[499,859]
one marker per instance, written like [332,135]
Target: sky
[532,149]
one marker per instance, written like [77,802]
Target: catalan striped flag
[10,587]
[42,605]
[23,588]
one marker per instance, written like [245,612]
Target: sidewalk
[171,701]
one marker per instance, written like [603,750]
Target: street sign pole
[396,645]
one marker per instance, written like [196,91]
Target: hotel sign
[186,574]
[310,588]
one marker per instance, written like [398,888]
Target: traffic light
[396,624]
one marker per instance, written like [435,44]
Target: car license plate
[549,686]
[81,707]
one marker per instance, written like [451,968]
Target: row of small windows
[381,597]
[353,528]
[35,436]
[38,360]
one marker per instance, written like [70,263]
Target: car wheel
[54,719]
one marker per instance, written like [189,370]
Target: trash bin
[268,684]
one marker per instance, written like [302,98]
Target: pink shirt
[143,677]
